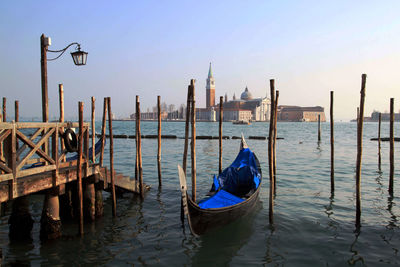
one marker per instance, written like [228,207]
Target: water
[311,227]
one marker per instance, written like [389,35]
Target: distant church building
[245,108]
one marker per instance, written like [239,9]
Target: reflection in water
[393,219]
[221,245]
[319,148]
[355,257]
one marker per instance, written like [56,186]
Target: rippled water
[312,228]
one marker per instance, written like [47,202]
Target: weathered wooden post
[391,155]
[185,148]
[379,142]
[80,152]
[136,141]
[221,117]
[4,109]
[359,150]
[114,199]
[188,114]
[139,149]
[89,200]
[193,150]
[159,140]
[103,131]
[274,143]
[270,153]
[16,114]
[332,147]
[99,189]
[319,128]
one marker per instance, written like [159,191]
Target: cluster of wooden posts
[51,224]
[360,120]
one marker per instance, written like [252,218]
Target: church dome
[246,95]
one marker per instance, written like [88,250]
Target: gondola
[234,193]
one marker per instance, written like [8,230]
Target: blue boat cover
[219,200]
[235,182]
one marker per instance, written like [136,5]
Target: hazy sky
[148,48]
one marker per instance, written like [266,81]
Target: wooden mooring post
[221,117]
[332,146]
[391,152]
[114,198]
[193,150]
[79,166]
[359,150]
[319,128]
[379,141]
[139,148]
[159,139]
[188,113]
[275,134]
[270,153]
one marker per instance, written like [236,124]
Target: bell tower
[210,89]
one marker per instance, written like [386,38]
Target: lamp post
[50,221]
[78,56]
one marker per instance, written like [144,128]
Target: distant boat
[244,122]
[234,193]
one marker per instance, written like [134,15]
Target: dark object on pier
[204,137]
[233,194]
[70,140]
[386,139]
[236,137]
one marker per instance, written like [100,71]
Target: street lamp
[78,56]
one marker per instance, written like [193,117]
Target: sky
[151,48]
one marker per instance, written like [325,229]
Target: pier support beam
[89,201]
[50,223]
[99,208]
[20,221]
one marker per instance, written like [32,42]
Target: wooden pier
[34,159]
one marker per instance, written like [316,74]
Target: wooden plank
[42,181]
[5,168]
[4,135]
[6,177]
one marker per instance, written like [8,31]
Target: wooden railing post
[332,147]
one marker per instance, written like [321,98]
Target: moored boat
[234,193]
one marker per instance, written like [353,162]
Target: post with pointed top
[359,150]
[332,148]
[391,155]
[270,153]
[221,117]
[379,142]
[193,150]
[159,139]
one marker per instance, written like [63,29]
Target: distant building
[245,108]
[296,113]
[384,116]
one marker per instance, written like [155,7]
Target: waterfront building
[296,113]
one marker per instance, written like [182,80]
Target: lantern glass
[79,57]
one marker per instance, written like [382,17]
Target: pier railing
[31,148]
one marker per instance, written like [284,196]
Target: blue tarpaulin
[240,178]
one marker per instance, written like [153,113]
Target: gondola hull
[203,220]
